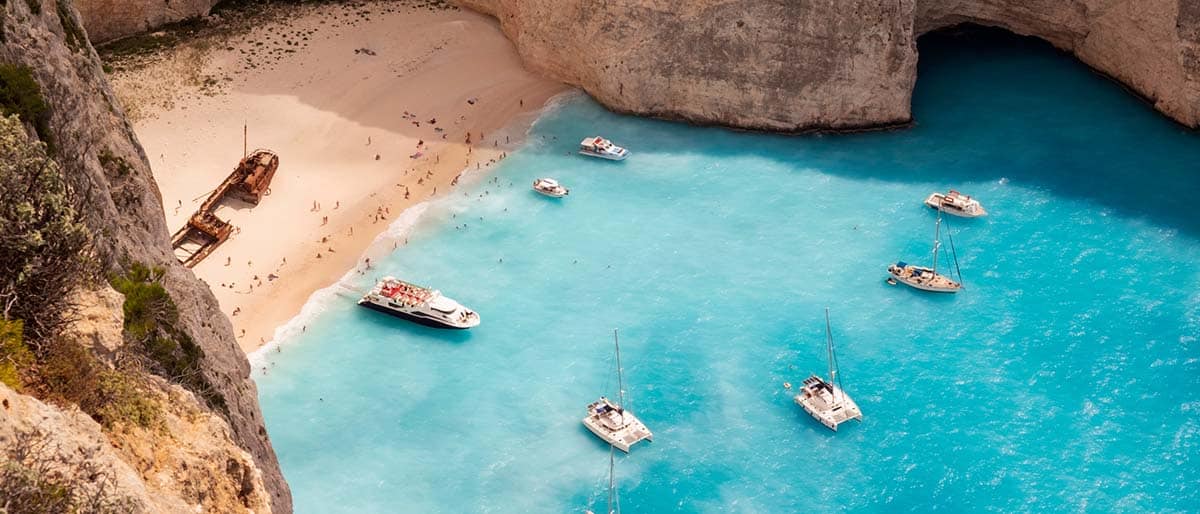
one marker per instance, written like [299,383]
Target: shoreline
[395,232]
[354,119]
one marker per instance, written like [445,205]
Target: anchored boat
[825,400]
[602,148]
[927,279]
[418,304]
[550,187]
[956,203]
[612,422]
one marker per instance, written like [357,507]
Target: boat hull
[420,320]
[934,286]
[926,287]
[613,438]
[550,194]
[825,420]
[936,201]
[609,157]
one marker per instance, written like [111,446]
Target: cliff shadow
[992,106]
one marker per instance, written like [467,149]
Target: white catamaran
[612,422]
[825,400]
[927,279]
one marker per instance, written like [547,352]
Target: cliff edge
[182,337]
[108,20]
[827,64]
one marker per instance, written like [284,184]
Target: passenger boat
[550,187]
[825,400]
[612,422]
[602,148]
[418,304]
[927,279]
[956,203]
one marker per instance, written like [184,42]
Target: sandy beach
[369,115]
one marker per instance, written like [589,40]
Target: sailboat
[825,400]
[927,279]
[612,422]
[614,501]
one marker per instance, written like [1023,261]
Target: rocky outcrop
[99,153]
[107,20]
[1151,46]
[827,64]
[188,465]
[772,65]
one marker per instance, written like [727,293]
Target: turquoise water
[1065,377]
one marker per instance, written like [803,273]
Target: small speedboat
[550,187]
[956,203]
[602,148]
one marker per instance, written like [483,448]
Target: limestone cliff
[107,20]
[99,153]
[827,64]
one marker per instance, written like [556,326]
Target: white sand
[328,112]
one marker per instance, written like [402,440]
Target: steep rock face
[827,64]
[772,65]
[190,465]
[107,20]
[122,205]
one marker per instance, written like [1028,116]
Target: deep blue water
[1065,377]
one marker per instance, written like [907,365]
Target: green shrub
[70,375]
[44,248]
[15,358]
[21,95]
[76,39]
[151,326]
[115,165]
[122,400]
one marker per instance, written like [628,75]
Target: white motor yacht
[418,304]
[956,203]
[550,187]
[602,148]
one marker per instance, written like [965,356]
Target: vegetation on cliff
[45,257]
[35,478]
[20,95]
[152,327]
[44,248]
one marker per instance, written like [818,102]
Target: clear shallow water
[1065,377]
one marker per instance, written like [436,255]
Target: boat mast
[614,503]
[620,381]
[937,234]
[829,350]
